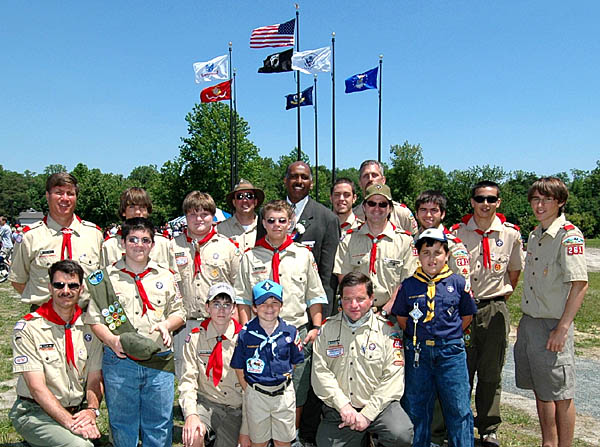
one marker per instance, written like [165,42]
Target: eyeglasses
[489,199]
[373,204]
[136,240]
[59,285]
[544,200]
[281,220]
[217,305]
[244,195]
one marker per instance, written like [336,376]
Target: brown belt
[71,410]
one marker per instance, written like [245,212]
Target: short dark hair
[298,162]
[485,184]
[197,200]
[431,196]
[429,243]
[135,196]
[550,187]
[354,279]
[66,266]
[61,179]
[135,224]
[345,180]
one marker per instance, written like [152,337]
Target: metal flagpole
[332,108]
[316,142]
[379,133]
[231,152]
[298,77]
[235,148]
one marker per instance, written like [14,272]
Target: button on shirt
[162,253]
[555,258]
[39,345]
[245,237]
[395,260]
[452,303]
[162,291]
[41,247]
[362,366]
[276,357]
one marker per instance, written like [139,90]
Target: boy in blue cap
[264,359]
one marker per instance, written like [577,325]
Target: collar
[496,224]
[251,227]
[350,220]
[388,231]
[298,207]
[54,225]
[554,227]
[120,264]
[211,332]
[45,324]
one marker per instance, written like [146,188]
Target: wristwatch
[95,410]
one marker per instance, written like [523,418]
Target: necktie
[373,257]
[262,242]
[424,277]
[204,240]
[215,361]
[138,283]
[47,312]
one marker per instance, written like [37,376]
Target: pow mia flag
[278,62]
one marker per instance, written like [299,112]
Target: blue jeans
[442,371]
[139,400]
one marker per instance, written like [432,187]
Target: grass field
[518,429]
[592,243]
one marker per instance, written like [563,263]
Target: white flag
[214,69]
[312,61]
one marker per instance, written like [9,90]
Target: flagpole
[235,148]
[379,133]
[333,108]
[231,153]
[316,144]
[298,78]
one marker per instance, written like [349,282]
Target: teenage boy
[135,202]
[135,307]
[264,359]
[343,197]
[554,287]
[210,395]
[433,308]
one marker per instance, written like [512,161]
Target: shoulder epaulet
[324,321]
[37,224]
[351,230]
[172,271]
[30,316]
[510,225]
[108,237]
[234,242]
[452,238]
[403,205]
[455,227]
[408,233]
[569,226]
[87,223]
[156,233]
[195,330]
[248,249]
[389,323]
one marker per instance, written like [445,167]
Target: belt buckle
[430,342]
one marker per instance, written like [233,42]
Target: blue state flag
[305,99]
[363,81]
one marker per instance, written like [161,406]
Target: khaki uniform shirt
[39,345]
[298,276]
[364,367]
[458,261]
[220,263]
[233,228]
[555,258]
[196,352]
[162,253]
[395,260]
[351,223]
[506,254]
[401,217]
[162,291]
[40,248]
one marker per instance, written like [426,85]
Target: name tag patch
[335,351]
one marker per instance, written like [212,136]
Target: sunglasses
[488,199]
[281,220]
[373,204]
[244,195]
[59,285]
[136,240]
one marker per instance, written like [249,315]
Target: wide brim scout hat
[137,346]
[378,189]
[245,185]
[433,233]
[266,289]
[220,288]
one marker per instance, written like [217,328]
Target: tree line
[203,164]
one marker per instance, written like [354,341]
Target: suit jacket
[322,235]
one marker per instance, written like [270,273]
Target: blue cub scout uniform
[267,360]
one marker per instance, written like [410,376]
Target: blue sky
[508,83]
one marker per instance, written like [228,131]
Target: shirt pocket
[359,261]
[52,362]
[393,265]
[45,258]
[215,271]
[499,264]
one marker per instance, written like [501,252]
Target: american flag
[280,35]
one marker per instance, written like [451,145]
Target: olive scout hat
[378,189]
[220,288]
[137,346]
[245,185]
[266,289]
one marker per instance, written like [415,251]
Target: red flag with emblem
[219,92]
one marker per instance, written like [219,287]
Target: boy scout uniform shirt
[298,275]
[351,223]
[396,259]
[39,345]
[273,363]
[555,258]
[194,381]
[506,255]
[363,366]
[162,291]
[246,238]
[220,263]
[458,261]
[41,247]
[401,217]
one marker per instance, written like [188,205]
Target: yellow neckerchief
[424,277]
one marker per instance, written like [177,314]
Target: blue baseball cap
[266,289]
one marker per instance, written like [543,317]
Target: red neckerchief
[262,242]
[344,225]
[204,240]
[215,361]
[47,312]
[373,257]
[138,282]
[66,241]
[487,258]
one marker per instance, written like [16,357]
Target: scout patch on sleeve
[21,359]
[462,261]
[19,326]
[575,249]
[96,277]
[397,343]
[572,240]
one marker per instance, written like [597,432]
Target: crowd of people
[292,323]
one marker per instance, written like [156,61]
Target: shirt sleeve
[466,304]
[517,255]
[188,384]
[341,264]
[175,304]
[243,289]
[399,307]
[26,356]
[296,349]
[19,267]
[237,359]
[315,293]
[572,259]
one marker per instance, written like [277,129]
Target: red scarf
[143,295]
[66,241]
[47,312]
[204,240]
[215,361]
[262,242]
[485,242]
[344,225]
